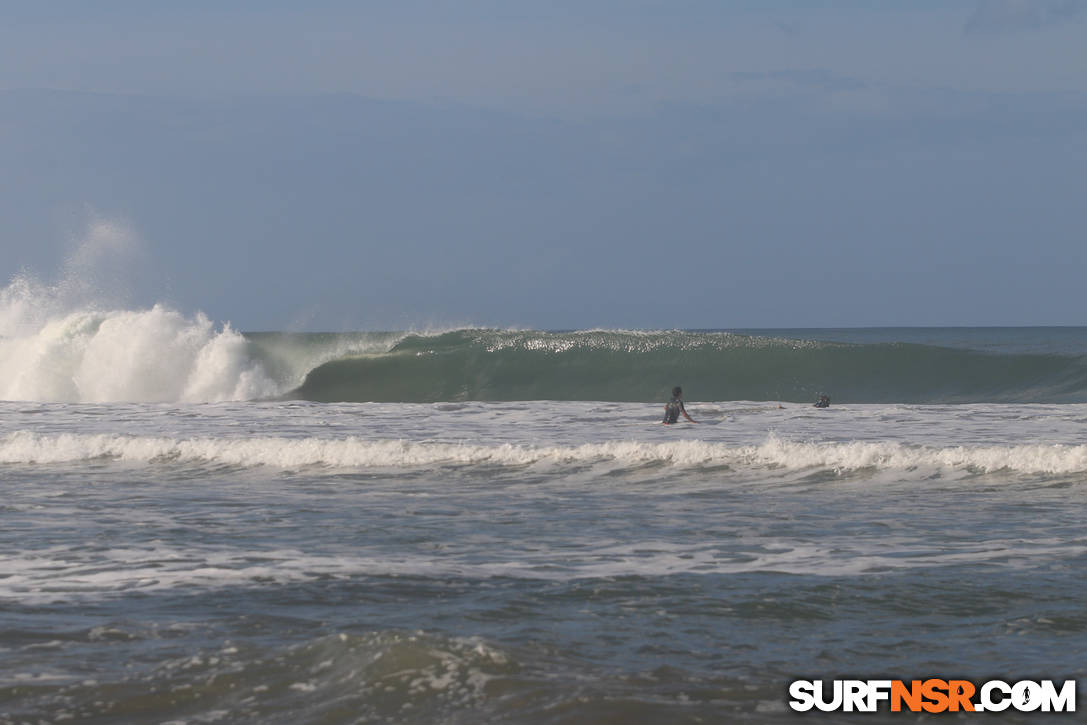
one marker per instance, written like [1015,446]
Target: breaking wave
[48,353]
[162,355]
[70,342]
[613,365]
[356,453]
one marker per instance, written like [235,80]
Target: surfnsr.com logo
[932,695]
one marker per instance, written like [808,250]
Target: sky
[336,165]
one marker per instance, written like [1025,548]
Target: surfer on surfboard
[675,408]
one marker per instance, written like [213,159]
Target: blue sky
[350,165]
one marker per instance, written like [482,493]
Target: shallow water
[533,562]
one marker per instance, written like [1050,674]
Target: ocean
[491,526]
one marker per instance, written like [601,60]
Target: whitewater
[201,524]
[69,342]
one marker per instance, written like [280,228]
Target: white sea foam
[353,452]
[153,355]
[61,574]
[74,341]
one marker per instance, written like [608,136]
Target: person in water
[675,408]
[824,402]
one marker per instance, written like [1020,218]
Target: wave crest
[356,453]
[96,356]
[616,365]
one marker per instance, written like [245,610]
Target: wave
[77,341]
[59,344]
[62,343]
[161,355]
[27,447]
[155,355]
[631,366]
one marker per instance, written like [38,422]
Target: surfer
[824,402]
[675,408]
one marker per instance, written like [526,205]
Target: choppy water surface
[536,562]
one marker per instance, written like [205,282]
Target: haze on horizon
[602,163]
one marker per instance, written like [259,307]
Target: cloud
[1009,16]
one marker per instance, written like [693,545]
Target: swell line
[24,447]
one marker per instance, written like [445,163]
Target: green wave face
[480,365]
